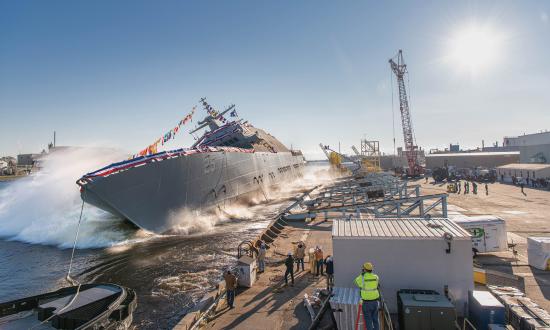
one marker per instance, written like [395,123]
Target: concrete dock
[271,304]
[269,301]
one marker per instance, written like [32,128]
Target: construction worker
[230,286]
[369,284]
[299,255]
[329,264]
[261,257]
[319,260]
[312,262]
[289,263]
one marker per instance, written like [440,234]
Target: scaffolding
[375,195]
[370,155]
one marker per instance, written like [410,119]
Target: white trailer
[413,253]
[488,232]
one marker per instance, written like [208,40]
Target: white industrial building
[413,253]
[533,148]
[525,171]
[472,159]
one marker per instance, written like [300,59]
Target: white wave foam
[188,222]
[44,207]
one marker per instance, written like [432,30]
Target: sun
[474,48]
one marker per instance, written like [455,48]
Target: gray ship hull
[153,195]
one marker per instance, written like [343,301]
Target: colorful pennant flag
[153,148]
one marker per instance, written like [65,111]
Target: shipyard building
[472,159]
[533,148]
[525,171]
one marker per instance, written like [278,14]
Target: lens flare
[475,48]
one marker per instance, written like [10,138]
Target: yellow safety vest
[368,283]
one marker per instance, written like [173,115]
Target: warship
[231,160]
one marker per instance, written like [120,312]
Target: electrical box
[424,310]
[246,271]
[485,309]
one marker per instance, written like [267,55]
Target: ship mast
[212,120]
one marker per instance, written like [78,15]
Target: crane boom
[399,68]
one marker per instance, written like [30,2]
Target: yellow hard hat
[367,266]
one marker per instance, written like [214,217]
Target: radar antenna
[214,119]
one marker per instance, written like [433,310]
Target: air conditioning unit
[424,309]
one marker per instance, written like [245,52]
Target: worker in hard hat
[289,263]
[370,294]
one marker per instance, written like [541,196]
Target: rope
[68,277]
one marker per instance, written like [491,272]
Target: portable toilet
[488,232]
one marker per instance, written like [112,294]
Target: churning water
[38,220]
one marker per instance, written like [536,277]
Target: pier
[310,217]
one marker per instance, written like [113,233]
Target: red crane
[411,149]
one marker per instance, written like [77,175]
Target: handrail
[387,316]
[466,321]
[203,315]
[385,313]
[245,247]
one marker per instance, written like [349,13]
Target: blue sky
[121,73]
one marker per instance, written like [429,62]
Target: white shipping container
[538,252]
[488,232]
[406,254]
